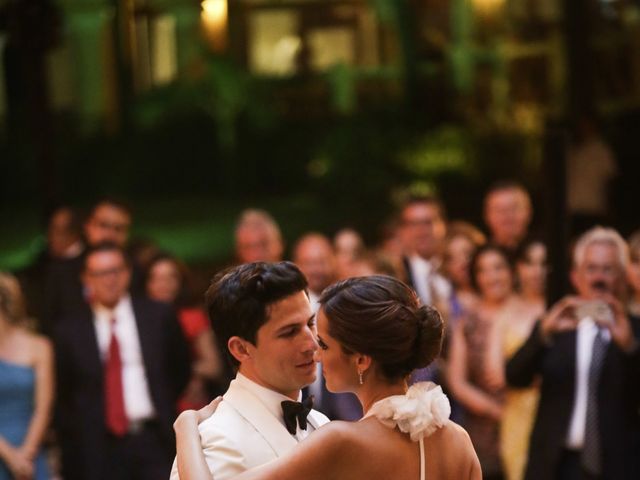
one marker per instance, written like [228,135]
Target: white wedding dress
[419,412]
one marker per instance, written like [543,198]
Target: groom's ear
[238,348]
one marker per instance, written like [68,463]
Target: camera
[599,311]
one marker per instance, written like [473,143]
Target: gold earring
[360,377]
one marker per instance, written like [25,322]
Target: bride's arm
[190,457]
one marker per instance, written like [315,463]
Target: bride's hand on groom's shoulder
[208,410]
[195,417]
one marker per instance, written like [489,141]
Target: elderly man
[507,213]
[257,238]
[314,256]
[585,351]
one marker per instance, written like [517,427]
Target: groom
[262,318]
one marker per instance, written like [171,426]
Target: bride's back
[371,451]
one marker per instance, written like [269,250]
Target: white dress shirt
[315,388]
[586,332]
[272,401]
[427,282]
[137,400]
[314,300]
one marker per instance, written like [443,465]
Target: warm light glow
[214,20]
[487,7]
[214,10]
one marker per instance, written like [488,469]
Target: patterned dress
[484,431]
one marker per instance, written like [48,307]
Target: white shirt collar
[123,306]
[270,398]
[314,301]
[422,263]
[590,328]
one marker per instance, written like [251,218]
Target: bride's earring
[360,377]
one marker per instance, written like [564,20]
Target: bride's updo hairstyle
[381,317]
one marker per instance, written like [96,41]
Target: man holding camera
[586,353]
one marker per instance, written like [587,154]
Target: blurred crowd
[544,391]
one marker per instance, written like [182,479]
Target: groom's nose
[310,344]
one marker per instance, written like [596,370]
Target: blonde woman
[520,404]
[26,389]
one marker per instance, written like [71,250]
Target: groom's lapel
[254,412]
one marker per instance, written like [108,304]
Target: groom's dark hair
[239,297]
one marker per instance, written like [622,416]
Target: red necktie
[117,422]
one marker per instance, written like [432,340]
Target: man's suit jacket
[80,407]
[243,434]
[617,406]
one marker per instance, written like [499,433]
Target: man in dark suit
[63,243]
[121,363]
[585,351]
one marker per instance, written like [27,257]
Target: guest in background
[591,169]
[391,245]
[166,281]
[108,221]
[585,351]
[258,238]
[633,274]
[462,240]
[63,243]
[348,245]
[313,254]
[531,272]
[372,263]
[26,389]
[424,230]
[121,363]
[507,213]
[470,354]
[520,404]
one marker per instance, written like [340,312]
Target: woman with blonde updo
[26,389]
[372,333]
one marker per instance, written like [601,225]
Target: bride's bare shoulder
[452,433]
[454,443]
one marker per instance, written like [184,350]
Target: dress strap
[422,469]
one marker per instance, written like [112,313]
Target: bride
[372,334]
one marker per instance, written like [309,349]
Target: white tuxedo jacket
[243,433]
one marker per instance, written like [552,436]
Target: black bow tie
[295,413]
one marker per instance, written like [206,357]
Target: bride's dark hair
[382,317]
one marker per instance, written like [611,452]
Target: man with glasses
[121,363]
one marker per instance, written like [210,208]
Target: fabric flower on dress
[420,412]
